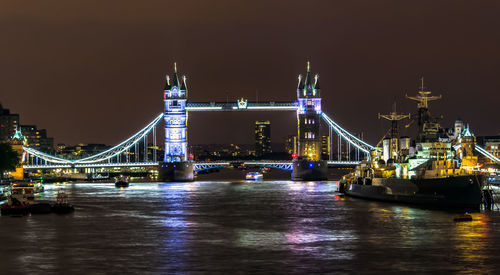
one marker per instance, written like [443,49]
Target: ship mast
[423,97]
[394,117]
[391,143]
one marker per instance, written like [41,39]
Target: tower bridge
[138,151]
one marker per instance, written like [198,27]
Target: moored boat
[62,206]
[40,208]
[435,169]
[7,209]
[4,193]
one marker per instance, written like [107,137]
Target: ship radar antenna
[423,96]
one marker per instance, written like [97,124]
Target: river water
[227,227]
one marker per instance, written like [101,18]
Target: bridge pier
[310,170]
[175,165]
[175,171]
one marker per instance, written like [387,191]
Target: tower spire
[175,80]
[307,81]
[316,82]
[183,85]
[167,84]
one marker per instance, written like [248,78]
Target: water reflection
[222,227]
[471,242]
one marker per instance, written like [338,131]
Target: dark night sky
[93,71]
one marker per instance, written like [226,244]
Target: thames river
[246,227]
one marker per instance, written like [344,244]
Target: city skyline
[82,88]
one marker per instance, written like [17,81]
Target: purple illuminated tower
[175,165]
[309,165]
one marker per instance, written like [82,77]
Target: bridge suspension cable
[102,156]
[356,142]
[487,154]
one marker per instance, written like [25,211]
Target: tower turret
[316,83]
[183,84]
[167,83]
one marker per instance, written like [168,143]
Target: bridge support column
[310,170]
[175,171]
[309,165]
[175,165]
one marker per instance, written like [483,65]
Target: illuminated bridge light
[103,156]
[203,108]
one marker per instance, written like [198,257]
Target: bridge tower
[175,165]
[308,165]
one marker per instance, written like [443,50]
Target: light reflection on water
[270,226]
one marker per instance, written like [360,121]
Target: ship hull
[459,192]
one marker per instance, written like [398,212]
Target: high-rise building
[37,138]
[8,123]
[291,145]
[262,138]
[325,147]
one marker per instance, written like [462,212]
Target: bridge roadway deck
[198,165]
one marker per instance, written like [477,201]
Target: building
[37,138]
[210,152]
[458,129]
[8,123]
[325,147]
[262,138]
[490,144]
[291,145]
[17,142]
[467,149]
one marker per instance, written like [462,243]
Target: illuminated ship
[434,170]
[254,176]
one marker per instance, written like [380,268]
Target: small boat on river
[121,181]
[254,176]
[62,206]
